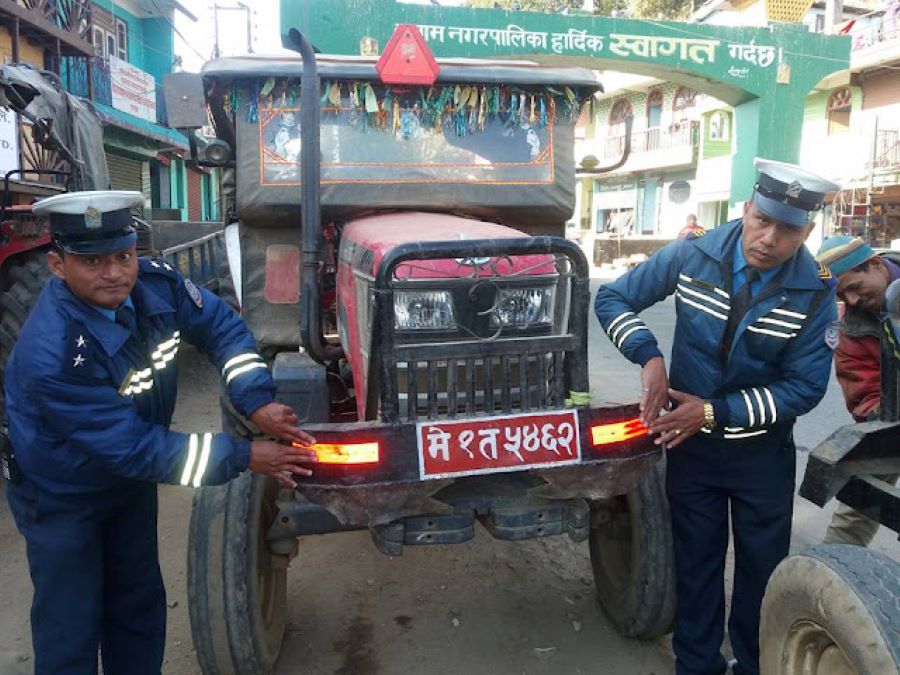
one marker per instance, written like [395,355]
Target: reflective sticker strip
[166,351]
[704,296]
[139,381]
[241,364]
[786,312]
[690,280]
[192,459]
[702,308]
[783,324]
[773,333]
[749,405]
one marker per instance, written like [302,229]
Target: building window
[99,41]
[839,105]
[621,109]
[121,40]
[719,126]
[654,107]
[684,98]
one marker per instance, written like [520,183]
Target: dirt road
[483,608]
[487,607]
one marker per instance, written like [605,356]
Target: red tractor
[65,135]
[397,250]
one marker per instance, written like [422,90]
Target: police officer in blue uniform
[752,351]
[90,391]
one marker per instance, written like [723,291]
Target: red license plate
[496,444]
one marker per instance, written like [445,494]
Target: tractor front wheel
[237,586]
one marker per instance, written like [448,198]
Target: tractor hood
[365,242]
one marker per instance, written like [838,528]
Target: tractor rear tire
[832,610]
[633,560]
[237,587]
[26,280]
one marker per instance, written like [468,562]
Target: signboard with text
[9,140]
[133,90]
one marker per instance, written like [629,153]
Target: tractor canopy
[489,139]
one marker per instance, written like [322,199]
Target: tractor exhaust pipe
[311,337]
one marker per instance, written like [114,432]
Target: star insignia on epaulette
[824,272]
[80,341]
[78,361]
[154,263]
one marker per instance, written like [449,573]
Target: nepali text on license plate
[496,444]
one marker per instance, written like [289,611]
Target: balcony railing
[887,150]
[77,82]
[677,136]
[72,16]
[875,30]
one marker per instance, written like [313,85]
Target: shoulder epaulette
[695,233]
[157,266]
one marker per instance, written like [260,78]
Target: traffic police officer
[749,356]
[90,391]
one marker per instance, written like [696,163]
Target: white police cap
[788,193]
[91,222]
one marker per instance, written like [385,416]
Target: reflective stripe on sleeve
[240,364]
[762,408]
[191,459]
[138,381]
[771,401]
[243,369]
[166,351]
[204,459]
[751,417]
[188,475]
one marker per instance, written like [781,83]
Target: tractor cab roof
[469,71]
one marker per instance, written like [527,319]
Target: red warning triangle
[407,59]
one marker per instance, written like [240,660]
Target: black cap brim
[98,246]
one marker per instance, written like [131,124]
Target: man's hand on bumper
[684,421]
[281,461]
[279,421]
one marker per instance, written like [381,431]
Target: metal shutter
[195,208]
[124,172]
[881,90]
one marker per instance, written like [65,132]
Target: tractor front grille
[446,388]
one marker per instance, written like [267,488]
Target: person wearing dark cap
[863,278]
[90,392]
[749,356]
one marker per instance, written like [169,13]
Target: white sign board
[9,141]
[133,90]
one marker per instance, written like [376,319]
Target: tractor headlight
[523,307]
[423,310]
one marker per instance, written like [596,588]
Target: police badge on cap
[789,193]
[89,223]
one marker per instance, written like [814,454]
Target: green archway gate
[763,73]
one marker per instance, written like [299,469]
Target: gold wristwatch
[709,416]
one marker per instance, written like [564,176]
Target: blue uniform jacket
[779,362]
[89,403]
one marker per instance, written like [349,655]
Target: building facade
[115,54]
[679,165]
[851,132]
